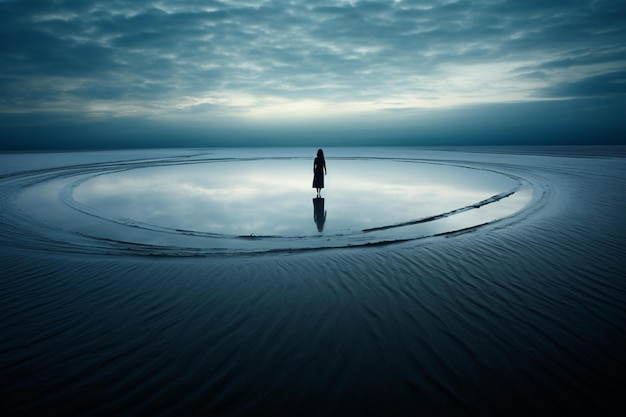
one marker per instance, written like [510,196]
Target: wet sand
[521,316]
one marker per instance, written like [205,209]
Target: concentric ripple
[205,204]
[521,317]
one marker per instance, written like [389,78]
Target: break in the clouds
[411,70]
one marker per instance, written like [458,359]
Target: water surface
[131,285]
[209,202]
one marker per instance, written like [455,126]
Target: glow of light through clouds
[249,70]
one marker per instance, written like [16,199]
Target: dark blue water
[525,317]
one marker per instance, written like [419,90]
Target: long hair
[320,154]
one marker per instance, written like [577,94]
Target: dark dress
[318,172]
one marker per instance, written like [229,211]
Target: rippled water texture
[208,203]
[211,282]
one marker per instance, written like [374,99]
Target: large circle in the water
[272,202]
[234,201]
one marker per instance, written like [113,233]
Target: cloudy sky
[118,73]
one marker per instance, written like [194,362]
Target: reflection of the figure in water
[319,214]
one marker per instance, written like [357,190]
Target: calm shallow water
[103,312]
[209,202]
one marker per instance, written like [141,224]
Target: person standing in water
[319,170]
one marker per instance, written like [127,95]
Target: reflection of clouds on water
[210,204]
[269,197]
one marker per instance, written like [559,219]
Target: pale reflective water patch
[233,201]
[274,197]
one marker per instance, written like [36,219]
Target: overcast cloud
[250,71]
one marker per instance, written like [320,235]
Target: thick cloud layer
[279,64]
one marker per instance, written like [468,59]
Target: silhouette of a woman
[319,170]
